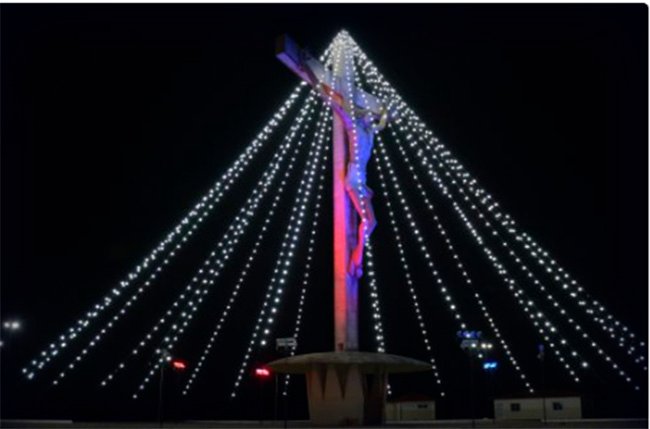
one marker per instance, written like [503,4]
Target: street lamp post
[160,395]
[471,389]
[490,367]
[167,357]
[262,374]
[472,343]
[540,355]
[177,365]
[284,346]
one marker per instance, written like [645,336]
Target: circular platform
[368,362]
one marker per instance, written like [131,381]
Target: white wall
[411,410]
[567,407]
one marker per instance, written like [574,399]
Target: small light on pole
[262,373]
[167,358]
[475,346]
[490,365]
[285,346]
[12,325]
[179,365]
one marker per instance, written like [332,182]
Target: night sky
[117,118]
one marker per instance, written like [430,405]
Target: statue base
[347,388]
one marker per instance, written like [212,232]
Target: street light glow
[12,325]
[490,365]
[262,372]
[179,364]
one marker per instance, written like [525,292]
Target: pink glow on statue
[359,192]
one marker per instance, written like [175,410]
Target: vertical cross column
[346,331]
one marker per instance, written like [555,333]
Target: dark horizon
[116,118]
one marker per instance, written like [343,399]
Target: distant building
[531,408]
[411,408]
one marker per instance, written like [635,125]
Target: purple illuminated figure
[359,192]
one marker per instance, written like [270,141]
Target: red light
[262,372]
[179,364]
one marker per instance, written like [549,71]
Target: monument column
[345,225]
[344,387]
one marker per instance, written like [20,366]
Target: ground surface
[485,423]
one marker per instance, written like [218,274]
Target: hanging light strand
[496,332]
[205,275]
[418,236]
[313,96]
[409,280]
[157,259]
[544,326]
[192,306]
[375,304]
[577,327]
[298,322]
[237,228]
[479,197]
[534,251]
[308,263]
[275,289]
[444,235]
[244,273]
[418,131]
[161,255]
[558,274]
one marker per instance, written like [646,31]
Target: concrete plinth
[347,388]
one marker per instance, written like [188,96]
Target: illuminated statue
[359,192]
[357,115]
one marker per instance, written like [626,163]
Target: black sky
[116,118]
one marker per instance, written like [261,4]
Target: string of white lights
[418,129]
[327,58]
[535,251]
[458,262]
[574,354]
[527,305]
[308,264]
[543,325]
[244,273]
[407,275]
[206,274]
[528,273]
[343,46]
[417,235]
[590,306]
[191,307]
[298,322]
[157,259]
[502,219]
[444,235]
[304,289]
[276,287]
[375,304]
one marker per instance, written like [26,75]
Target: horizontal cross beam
[317,75]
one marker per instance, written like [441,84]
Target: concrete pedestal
[347,388]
